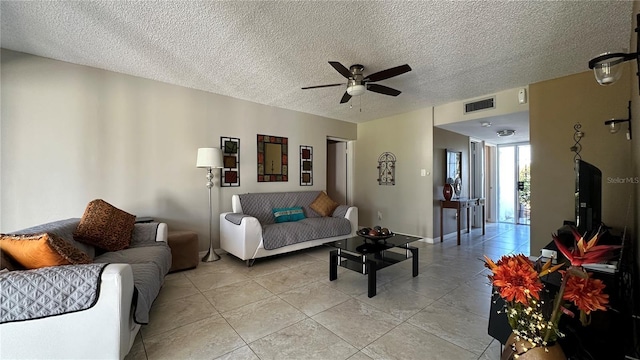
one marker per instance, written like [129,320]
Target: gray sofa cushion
[283,234]
[150,264]
[261,205]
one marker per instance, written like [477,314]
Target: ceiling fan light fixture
[505,132]
[355,90]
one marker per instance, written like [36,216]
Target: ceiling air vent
[483,104]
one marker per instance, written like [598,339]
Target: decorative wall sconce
[614,125]
[577,136]
[607,67]
[387,169]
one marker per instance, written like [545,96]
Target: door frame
[476,176]
[350,148]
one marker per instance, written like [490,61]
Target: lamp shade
[209,158]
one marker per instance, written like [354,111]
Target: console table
[459,204]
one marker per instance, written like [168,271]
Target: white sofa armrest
[240,240]
[352,216]
[104,331]
[162,234]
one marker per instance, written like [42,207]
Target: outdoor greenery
[525,195]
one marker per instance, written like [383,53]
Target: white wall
[505,103]
[70,134]
[406,207]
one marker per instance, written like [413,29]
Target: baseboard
[428,240]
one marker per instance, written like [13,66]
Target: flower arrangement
[518,281]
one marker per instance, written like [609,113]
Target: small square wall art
[230,173]
[306,165]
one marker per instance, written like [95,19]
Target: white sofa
[106,330]
[245,240]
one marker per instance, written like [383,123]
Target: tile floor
[285,307]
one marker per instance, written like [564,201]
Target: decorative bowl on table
[376,233]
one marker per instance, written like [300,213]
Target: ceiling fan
[357,83]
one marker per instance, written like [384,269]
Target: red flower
[586,293]
[516,279]
[585,252]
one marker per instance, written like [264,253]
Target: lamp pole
[211,254]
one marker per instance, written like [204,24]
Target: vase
[551,352]
[447,191]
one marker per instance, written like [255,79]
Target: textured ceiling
[266,51]
[519,122]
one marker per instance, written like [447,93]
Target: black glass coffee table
[368,256]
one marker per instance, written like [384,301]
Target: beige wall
[555,106]
[72,133]
[407,206]
[635,144]
[442,140]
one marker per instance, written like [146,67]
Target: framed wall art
[306,165]
[273,158]
[230,173]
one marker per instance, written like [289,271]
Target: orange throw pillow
[323,204]
[41,250]
[105,226]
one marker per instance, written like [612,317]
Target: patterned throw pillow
[288,214]
[105,226]
[41,250]
[323,204]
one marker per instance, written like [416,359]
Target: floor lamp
[210,158]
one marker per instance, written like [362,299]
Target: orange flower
[586,293]
[516,279]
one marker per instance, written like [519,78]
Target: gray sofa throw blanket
[235,218]
[50,291]
[150,264]
[144,235]
[64,229]
[261,205]
[283,234]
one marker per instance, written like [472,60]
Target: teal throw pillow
[288,214]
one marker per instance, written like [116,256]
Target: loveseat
[250,231]
[85,311]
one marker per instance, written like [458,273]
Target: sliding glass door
[514,179]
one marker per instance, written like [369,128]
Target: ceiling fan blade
[321,86]
[341,69]
[345,98]
[381,89]
[389,73]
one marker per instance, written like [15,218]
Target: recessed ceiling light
[485,124]
[506,132]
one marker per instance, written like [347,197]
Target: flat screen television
[588,197]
